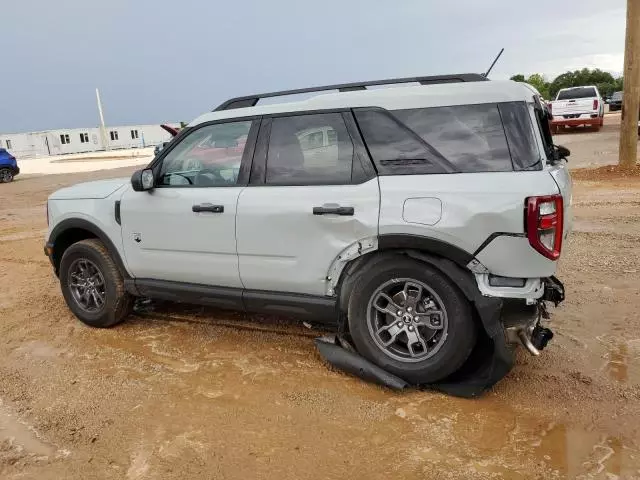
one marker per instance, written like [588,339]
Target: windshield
[617,96]
[578,92]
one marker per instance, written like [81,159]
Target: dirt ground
[195,393]
[590,149]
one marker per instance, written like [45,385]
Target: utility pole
[103,130]
[631,97]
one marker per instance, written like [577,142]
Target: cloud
[166,61]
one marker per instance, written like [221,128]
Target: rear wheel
[6,175]
[92,285]
[408,318]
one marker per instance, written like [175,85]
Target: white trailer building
[80,140]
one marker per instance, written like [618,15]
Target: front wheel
[92,285]
[408,318]
[6,175]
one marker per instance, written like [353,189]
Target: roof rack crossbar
[252,100]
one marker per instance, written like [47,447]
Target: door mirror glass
[142,180]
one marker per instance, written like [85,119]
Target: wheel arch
[72,230]
[452,261]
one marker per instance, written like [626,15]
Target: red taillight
[595,104]
[544,224]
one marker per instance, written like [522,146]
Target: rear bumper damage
[523,323]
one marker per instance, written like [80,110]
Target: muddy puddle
[183,392]
[214,361]
[20,437]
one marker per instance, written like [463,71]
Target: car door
[304,205]
[184,229]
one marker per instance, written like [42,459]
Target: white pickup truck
[578,106]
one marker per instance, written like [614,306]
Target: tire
[6,175]
[449,347]
[116,303]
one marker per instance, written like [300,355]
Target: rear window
[578,92]
[617,96]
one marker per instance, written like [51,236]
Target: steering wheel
[207,173]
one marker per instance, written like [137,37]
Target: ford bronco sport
[403,215]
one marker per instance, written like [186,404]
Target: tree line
[605,82]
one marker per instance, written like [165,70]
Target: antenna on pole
[494,62]
[103,130]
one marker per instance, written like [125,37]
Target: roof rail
[252,100]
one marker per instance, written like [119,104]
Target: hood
[89,190]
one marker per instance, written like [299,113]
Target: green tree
[603,80]
[536,80]
[539,83]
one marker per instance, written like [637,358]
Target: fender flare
[345,266]
[425,244]
[81,224]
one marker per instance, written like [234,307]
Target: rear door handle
[208,207]
[345,211]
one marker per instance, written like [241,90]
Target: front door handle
[345,211]
[208,207]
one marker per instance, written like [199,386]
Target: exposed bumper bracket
[553,291]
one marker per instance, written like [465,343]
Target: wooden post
[631,97]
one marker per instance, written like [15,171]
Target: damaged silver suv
[420,219]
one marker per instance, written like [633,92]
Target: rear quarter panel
[473,207]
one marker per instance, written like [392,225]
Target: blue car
[8,166]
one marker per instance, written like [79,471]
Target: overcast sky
[161,60]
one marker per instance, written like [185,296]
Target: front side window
[207,157]
[299,155]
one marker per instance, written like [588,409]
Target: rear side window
[395,148]
[471,137]
[311,149]
[577,92]
[520,136]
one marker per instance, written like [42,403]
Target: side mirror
[562,152]
[142,180]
